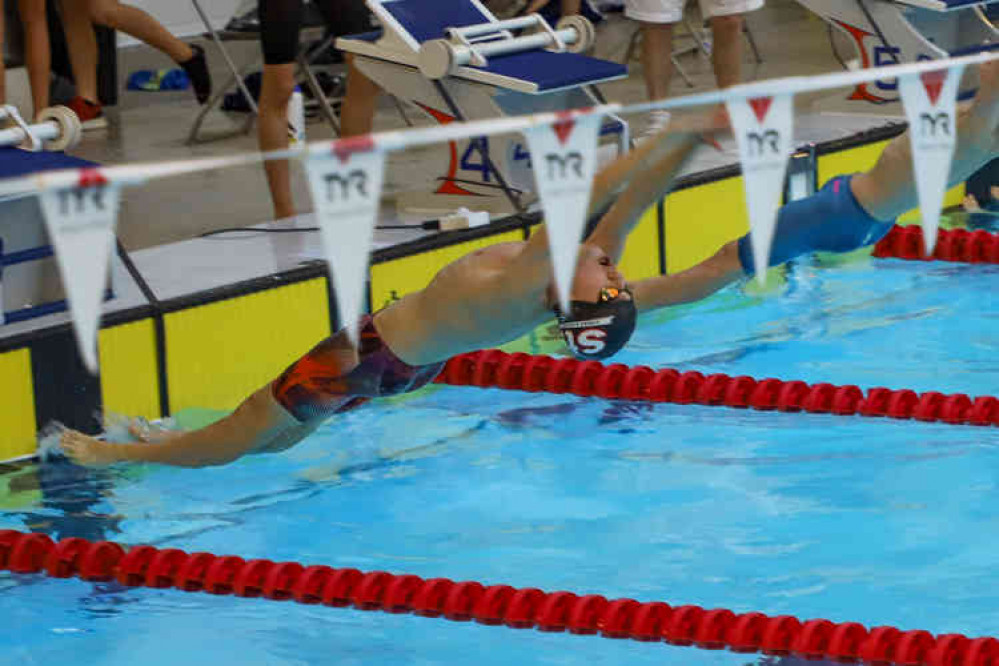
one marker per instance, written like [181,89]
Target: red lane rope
[524,372]
[492,605]
[973,247]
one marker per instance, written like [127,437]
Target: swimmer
[499,293]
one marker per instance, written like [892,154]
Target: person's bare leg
[272,132]
[37,53]
[889,188]
[137,23]
[726,52]
[657,62]
[357,114]
[81,42]
[259,424]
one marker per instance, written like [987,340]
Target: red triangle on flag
[563,129]
[933,82]
[761,106]
[344,148]
[91,177]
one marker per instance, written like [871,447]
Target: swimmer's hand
[150,433]
[88,451]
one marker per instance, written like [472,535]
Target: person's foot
[197,71]
[87,451]
[658,121]
[91,114]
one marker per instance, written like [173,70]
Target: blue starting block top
[428,19]
[552,71]
[424,20]
[15,162]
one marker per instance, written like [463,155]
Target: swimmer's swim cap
[596,331]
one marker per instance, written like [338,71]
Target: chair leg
[402,110]
[236,78]
[752,43]
[679,70]
[697,36]
[632,46]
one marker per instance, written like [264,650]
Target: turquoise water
[876,521]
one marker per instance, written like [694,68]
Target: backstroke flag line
[345,179]
[930,101]
[80,218]
[764,129]
[564,157]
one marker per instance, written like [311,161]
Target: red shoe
[91,114]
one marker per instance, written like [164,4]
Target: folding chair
[309,34]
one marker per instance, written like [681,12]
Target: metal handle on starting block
[441,57]
[495,27]
[58,128]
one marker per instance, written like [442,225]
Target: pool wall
[210,349]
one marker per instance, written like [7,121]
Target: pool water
[850,519]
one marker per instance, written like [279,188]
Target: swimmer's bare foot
[85,450]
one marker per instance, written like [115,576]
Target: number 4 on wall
[477,149]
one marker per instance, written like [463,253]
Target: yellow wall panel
[641,255]
[128,370]
[217,354]
[391,280]
[699,220]
[862,159]
[17,426]
[851,160]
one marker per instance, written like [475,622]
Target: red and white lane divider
[524,372]
[958,245]
[516,608]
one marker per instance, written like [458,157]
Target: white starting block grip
[439,58]
[58,128]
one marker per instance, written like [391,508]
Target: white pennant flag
[564,157]
[764,131]
[930,101]
[346,185]
[80,220]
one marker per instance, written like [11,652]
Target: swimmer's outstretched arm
[259,424]
[683,133]
[531,270]
[649,172]
[821,222]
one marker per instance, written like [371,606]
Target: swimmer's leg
[854,212]
[259,424]
[889,189]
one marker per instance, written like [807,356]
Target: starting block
[30,284]
[886,32]
[456,61]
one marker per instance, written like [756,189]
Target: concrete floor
[153,126]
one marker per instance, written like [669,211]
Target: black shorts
[281,22]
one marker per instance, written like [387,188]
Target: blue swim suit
[831,220]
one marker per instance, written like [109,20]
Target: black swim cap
[596,331]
